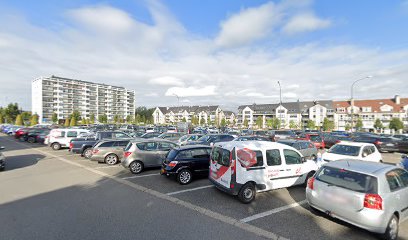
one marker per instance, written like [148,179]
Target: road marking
[189,190]
[214,215]
[116,166]
[273,211]
[140,176]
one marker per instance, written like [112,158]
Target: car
[150,135]
[306,148]
[400,136]
[315,138]
[250,138]
[60,138]
[186,162]
[188,138]
[352,150]
[171,136]
[402,145]
[109,151]
[282,134]
[143,153]
[21,132]
[31,135]
[210,139]
[245,168]
[331,140]
[2,160]
[383,144]
[368,195]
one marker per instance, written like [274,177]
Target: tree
[103,118]
[116,119]
[228,122]
[208,120]
[246,123]
[273,123]
[26,116]
[292,124]
[184,119]
[11,112]
[66,124]
[311,124]
[359,124]
[19,120]
[347,127]
[378,124]
[34,120]
[92,118]
[223,122]
[202,121]
[75,114]
[129,118]
[259,122]
[1,119]
[396,124]
[73,122]
[328,125]
[54,118]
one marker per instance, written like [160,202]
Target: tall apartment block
[63,95]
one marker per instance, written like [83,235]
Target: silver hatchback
[369,195]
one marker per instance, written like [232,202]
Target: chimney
[397,99]
[352,101]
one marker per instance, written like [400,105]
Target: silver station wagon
[369,195]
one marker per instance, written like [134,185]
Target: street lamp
[280,104]
[352,100]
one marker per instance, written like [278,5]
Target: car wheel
[87,153]
[111,159]
[56,146]
[247,193]
[136,167]
[392,229]
[184,177]
[31,140]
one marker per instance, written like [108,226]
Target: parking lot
[33,170]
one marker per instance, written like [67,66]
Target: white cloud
[167,81]
[191,91]
[305,22]
[248,25]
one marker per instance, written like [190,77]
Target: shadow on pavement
[21,161]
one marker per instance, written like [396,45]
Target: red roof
[375,104]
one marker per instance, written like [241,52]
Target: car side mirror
[365,154]
[2,148]
[303,159]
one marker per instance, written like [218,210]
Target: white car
[60,138]
[353,151]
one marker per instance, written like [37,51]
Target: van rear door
[220,170]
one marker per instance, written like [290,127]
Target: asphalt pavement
[48,194]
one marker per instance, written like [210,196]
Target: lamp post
[280,104]
[352,100]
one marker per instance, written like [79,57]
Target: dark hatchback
[210,139]
[186,162]
[383,144]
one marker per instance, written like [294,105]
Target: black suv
[186,161]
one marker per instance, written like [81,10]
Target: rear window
[221,156]
[345,150]
[354,181]
[315,138]
[128,146]
[172,154]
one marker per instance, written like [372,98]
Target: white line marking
[140,176]
[189,190]
[273,211]
[116,166]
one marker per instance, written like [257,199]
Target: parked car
[315,138]
[21,132]
[383,144]
[109,151]
[210,139]
[372,196]
[188,138]
[250,138]
[142,153]
[150,135]
[306,148]
[403,145]
[60,138]
[400,136]
[171,136]
[187,162]
[41,136]
[282,134]
[31,135]
[245,168]
[352,150]
[331,140]
[2,160]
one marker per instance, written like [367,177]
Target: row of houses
[297,113]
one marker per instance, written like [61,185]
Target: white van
[60,138]
[244,168]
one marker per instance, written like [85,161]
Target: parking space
[283,211]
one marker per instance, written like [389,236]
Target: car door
[398,182]
[275,169]
[150,154]
[200,160]
[294,167]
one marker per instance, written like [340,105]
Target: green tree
[292,124]
[87,121]
[75,114]
[54,118]
[273,123]
[223,122]
[359,124]
[103,118]
[328,125]
[1,119]
[184,119]
[19,120]
[259,122]
[116,119]
[347,127]
[202,121]
[11,112]
[34,120]
[246,124]
[311,125]
[66,124]
[228,122]
[396,124]
[92,118]
[129,118]
[73,121]
[26,117]
[208,120]
[378,124]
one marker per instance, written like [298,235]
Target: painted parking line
[189,190]
[116,166]
[140,176]
[273,211]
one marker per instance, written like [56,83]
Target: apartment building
[63,96]
[169,115]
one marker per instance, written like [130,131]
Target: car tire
[247,193]
[56,146]
[31,140]
[184,177]
[391,233]
[136,167]
[111,159]
[87,153]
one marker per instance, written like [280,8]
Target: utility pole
[352,100]
[280,104]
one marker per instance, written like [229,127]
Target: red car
[20,132]
[315,138]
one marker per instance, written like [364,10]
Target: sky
[227,53]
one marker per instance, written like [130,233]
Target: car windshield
[345,150]
[184,138]
[315,138]
[354,181]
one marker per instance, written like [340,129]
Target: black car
[2,160]
[403,145]
[32,135]
[383,144]
[186,162]
[210,139]
[331,140]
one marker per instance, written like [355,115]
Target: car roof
[187,147]
[140,140]
[253,145]
[357,144]
[115,140]
[292,140]
[367,167]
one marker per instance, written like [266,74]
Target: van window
[141,146]
[397,179]
[259,159]
[164,146]
[72,134]
[292,157]
[273,157]
[221,156]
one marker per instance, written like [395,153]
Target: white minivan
[60,138]
[244,168]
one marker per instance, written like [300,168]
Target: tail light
[71,145]
[338,141]
[310,183]
[172,164]
[373,201]
[377,142]
[127,154]
[95,151]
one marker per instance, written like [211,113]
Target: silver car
[306,148]
[143,153]
[369,195]
[109,151]
[188,138]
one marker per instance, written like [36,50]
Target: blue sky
[213,52]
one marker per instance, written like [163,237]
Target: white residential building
[63,96]
[170,115]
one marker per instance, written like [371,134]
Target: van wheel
[111,159]
[87,153]
[56,146]
[184,177]
[247,193]
[136,167]
[392,229]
